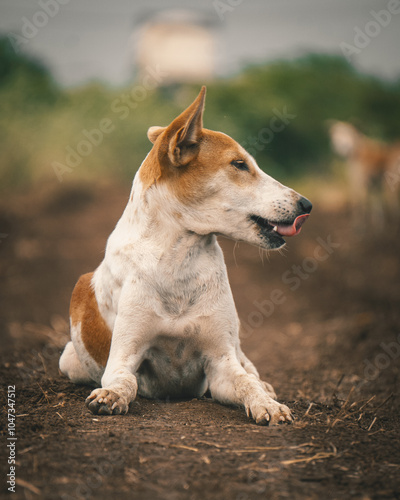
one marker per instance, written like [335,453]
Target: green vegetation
[277,111]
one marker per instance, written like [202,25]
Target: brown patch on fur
[216,152]
[150,171]
[169,140]
[96,335]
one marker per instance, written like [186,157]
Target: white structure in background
[180,42]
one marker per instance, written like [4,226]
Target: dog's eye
[240,165]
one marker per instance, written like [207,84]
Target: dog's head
[210,184]
[344,137]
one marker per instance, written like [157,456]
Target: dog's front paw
[106,402]
[270,412]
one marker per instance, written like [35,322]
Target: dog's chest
[188,289]
[184,296]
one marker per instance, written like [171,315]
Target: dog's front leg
[118,383]
[229,383]
[250,368]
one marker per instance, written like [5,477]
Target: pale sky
[92,39]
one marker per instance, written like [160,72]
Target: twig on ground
[386,400]
[372,423]
[365,404]
[28,486]
[308,409]
[317,456]
[44,393]
[183,447]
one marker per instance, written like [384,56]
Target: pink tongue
[294,229]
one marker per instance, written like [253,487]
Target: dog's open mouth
[283,229]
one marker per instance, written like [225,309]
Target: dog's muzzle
[274,231]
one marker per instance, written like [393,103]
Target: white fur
[71,366]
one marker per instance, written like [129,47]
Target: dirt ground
[330,348]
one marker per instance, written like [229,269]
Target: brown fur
[186,181]
[150,171]
[96,335]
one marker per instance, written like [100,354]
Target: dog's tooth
[275,228]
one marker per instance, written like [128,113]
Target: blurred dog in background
[374,173]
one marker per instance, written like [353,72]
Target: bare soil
[330,346]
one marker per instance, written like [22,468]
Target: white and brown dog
[157,317]
[371,164]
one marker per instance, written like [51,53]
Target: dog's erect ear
[185,132]
[154,132]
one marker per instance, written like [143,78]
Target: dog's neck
[153,217]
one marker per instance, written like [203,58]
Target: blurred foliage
[43,127]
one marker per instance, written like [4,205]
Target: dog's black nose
[304,205]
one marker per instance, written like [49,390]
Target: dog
[374,167]
[157,317]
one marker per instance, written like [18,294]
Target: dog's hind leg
[250,368]
[72,367]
